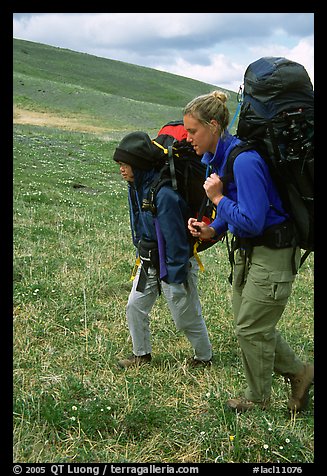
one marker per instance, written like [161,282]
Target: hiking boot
[134,361]
[196,363]
[300,385]
[242,405]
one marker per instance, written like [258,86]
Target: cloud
[211,47]
[133,29]
[221,71]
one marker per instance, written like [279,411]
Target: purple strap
[161,249]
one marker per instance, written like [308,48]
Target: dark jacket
[172,214]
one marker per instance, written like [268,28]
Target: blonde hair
[209,106]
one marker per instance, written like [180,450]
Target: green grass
[47,63]
[72,261]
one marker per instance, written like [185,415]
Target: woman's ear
[215,126]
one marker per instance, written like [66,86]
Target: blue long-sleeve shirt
[251,203]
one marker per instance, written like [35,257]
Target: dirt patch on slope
[23,116]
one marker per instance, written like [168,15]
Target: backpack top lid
[278,83]
[175,129]
[273,85]
[268,76]
[137,150]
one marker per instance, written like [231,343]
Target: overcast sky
[211,47]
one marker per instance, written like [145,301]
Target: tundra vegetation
[72,264]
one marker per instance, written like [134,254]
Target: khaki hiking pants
[184,305]
[261,288]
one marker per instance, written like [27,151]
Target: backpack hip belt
[277,236]
[148,252]
[149,257]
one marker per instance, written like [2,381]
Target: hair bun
[221,95]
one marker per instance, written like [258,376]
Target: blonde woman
[266,257]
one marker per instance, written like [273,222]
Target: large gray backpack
[277,119]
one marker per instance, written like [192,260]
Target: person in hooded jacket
[163,248]
[266,258]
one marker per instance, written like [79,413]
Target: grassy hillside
[73,256]
[108,94]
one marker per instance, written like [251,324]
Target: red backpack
[175,129]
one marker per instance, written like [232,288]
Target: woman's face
[203,137]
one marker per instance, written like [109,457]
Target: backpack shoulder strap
[149,202]
[168,151]
[237,150]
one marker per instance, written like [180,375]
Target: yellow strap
[134,271]
[213,213]
[161,147]
[196,255]
[165,151]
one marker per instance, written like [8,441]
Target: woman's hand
[201,230]
[213,187]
